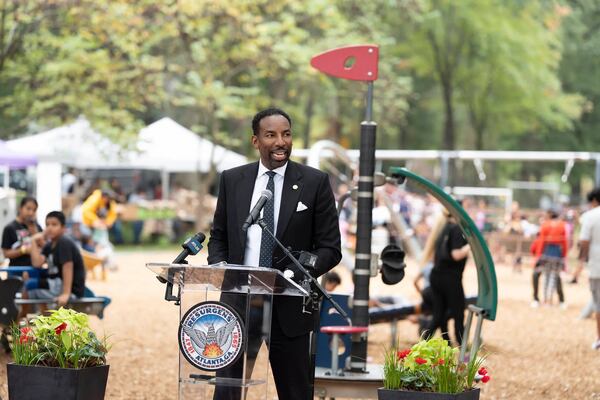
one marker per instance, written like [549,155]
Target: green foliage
[484,74]
[61,339]
[432,366]
[496,63]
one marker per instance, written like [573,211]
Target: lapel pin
[295,187]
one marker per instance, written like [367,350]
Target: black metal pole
[364,224]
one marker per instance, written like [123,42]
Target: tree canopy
[474,74]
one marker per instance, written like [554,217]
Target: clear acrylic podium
[212,298]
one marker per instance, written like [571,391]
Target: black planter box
[386,394]
[45,383]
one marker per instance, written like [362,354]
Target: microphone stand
[316,290]
[169,288]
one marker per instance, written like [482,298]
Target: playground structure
[359,379]
[325,151]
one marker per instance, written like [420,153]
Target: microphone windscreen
[267,193]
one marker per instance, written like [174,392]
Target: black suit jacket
[315,229]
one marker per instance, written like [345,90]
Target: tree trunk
[203,182]
[448,138]
[478,139]
[402,133]
[308,113]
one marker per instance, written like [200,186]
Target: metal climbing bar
[487,295]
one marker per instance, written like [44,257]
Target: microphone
[265,196]
[191,246]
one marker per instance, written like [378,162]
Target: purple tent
[13,159]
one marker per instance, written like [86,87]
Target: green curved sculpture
[487,297]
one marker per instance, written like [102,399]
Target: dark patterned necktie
[266,242]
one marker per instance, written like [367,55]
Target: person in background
[422,285]
[16,241]
[16,237]
[68,182]
[536,252]
[553,246]
[118,195]
[451,252]
[480,215]
[99,212]
[331,280]
[426,264]
[138,198]
[589,241]
[66,273]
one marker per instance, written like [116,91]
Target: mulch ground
[541,353]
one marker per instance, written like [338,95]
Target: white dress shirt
[254,233]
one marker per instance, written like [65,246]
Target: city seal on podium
[211,335]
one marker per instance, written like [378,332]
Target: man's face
[53,228]
[274,141]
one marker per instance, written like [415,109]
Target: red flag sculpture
[358,63]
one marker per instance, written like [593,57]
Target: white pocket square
[301,207]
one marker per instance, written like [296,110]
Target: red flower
[420,361]
[402,354]
[485,379]
[482,371]
[440,361]
[60,328]
[24,338]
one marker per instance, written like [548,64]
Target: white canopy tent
[166,145]
[163,145]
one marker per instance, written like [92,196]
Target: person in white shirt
[590,252]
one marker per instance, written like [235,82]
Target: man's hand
[63,299]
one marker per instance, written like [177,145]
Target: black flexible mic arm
[315,283]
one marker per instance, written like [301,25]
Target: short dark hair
[594,195]
[553,213]
[28,199]
[58,215]
[332,277]
[267,113]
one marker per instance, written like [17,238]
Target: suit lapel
[244,190]
[292,187]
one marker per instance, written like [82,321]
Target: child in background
[66,273]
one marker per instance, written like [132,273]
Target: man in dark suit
[302,213]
